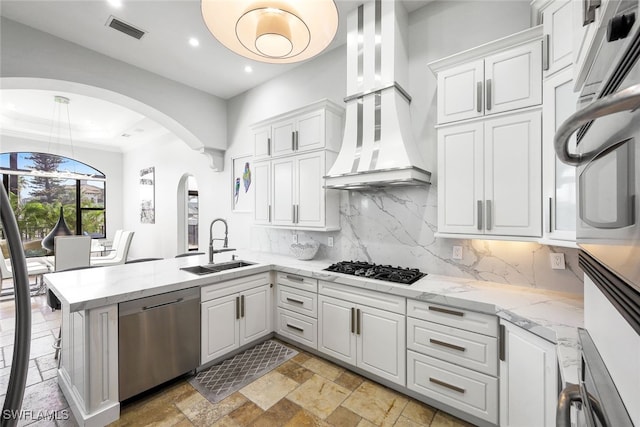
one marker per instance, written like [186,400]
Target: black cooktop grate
[405,276]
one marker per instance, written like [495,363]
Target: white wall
[32,59]
[107,162]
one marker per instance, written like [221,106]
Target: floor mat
[219,381]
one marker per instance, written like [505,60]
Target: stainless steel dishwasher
[159,339]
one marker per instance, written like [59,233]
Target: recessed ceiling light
[248,69]
[115,3]
[194,42]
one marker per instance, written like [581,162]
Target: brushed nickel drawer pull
[353,320]
[447,385]
[446,344]
[479,99]
[237,308]
[488,94]
[479,214]
[293,141]
[358,322]
[295,278]
[295,328]
[294,300]
[241,305]
[446,311]
[268,146]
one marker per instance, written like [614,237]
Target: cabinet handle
[293,141]
[501,337]
[295,278]
[489,218]
[294,301]
[446,311]
[446,344]
[353,320]
[479,214]
[241,305]
[268,146]
[297,141]
[550,214]
[479,97]
[447,385]
[358,322]
[269,213]
[297,214]
[295,328]
[545,52]
[237,308]
[488,94]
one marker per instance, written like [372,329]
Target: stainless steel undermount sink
[216,268]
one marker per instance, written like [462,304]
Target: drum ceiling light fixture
[275,31]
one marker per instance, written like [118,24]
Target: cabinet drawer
[297,327]
[302,302]
[461,388]
[229,287]
[467,349]
[297,281]
[481,323]
[356,295]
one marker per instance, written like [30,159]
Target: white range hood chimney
[378,149]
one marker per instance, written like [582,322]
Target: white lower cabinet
[297,311]
[233,314]
[370,338]
[528,379]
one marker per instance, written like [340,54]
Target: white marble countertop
[553,316]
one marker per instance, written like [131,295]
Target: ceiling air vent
[123,27]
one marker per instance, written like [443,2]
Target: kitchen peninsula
[88,374]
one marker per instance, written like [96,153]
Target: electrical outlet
[457,252]
[557,261]
[295,238]
[330,242]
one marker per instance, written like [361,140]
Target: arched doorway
[188,216]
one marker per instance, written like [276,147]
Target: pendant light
[60,229]
[275,31]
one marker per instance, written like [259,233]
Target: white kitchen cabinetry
[500,76]
[490,178]
[528,379]
[233,314]
[559,182]
[297,308]
[588,32]
[289,173]
[452,357]
[295,196]
[363,328]
[315,126]
[556,16]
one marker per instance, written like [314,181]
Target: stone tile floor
[304,391]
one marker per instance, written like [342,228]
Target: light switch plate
[457,252]
[295,238]
[557,261]
[330,242]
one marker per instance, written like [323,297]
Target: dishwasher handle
[151,307]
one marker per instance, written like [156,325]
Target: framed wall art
[147,195]
[241,184]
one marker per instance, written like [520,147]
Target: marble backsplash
[397,226]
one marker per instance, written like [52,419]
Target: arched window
[39,184]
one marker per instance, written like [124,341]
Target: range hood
[378,149]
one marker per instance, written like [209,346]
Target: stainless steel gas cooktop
[405,276]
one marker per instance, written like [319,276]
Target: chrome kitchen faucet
[225,245]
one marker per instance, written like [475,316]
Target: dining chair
[34,268]
[114,246]
[121,252]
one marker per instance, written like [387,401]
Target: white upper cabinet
[557,19]
[500,76]
[315,126]
[489,177]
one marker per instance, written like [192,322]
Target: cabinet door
[262,192]
[513,78]
[528,379]
[460,92]
[262,142]
[513,182]
[283,188]
[283,137]
[220,327]
[381,343]
[255,313]
[311,131]
[310,170]
[557,19]
[460,179]
[559,204]
[336,329]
